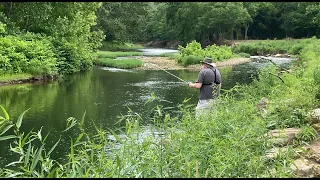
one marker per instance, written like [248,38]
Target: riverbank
[155,63]
[150,63]
[28,80]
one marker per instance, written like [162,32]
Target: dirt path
[155,63]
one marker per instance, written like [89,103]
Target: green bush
[218,53]
[246,48]
[192,59]
[295,49]
[193,51]
[20,55]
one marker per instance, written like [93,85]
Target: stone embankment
[307,157]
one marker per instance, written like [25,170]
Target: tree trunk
[231,34]
[27,23]
[286,33]
[9,6]
[246,32]
[239,34]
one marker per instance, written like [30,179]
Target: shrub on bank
[193,53]
[19,55]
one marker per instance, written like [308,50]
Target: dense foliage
[212,22]
[59,36]
[20,55]
[73,31]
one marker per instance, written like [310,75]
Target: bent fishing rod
[216,86]
[170,74]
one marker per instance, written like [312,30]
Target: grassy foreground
[228,143]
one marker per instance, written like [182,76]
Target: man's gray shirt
[207,78]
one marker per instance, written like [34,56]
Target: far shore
[150,63]
[155,63]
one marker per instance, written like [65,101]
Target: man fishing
[208,76]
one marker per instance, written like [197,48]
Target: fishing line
[169,73]
[215,86]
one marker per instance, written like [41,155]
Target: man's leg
[203,107]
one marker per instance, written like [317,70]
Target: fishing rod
[170,73]
[215,87]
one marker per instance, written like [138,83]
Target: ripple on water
[116,69]
[157,84]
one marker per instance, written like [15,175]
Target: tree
[266,22]
[252,9]
[123,21]
[222,18]
[313,15]
[156,26]
[67,24]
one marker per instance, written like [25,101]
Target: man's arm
[195,85]
[199,81]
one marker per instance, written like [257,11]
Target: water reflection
[115,69]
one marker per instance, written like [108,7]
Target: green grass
[170,55]
[119,46]
[117,63]
[264,47]
[240,55]
[10,77]
[110,54]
